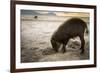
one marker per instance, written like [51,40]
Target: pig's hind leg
[82,43]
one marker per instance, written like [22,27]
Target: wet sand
[36,46]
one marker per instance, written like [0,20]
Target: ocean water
[37,32]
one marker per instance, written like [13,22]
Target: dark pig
[69,29]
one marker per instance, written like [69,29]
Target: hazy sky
[34,12]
